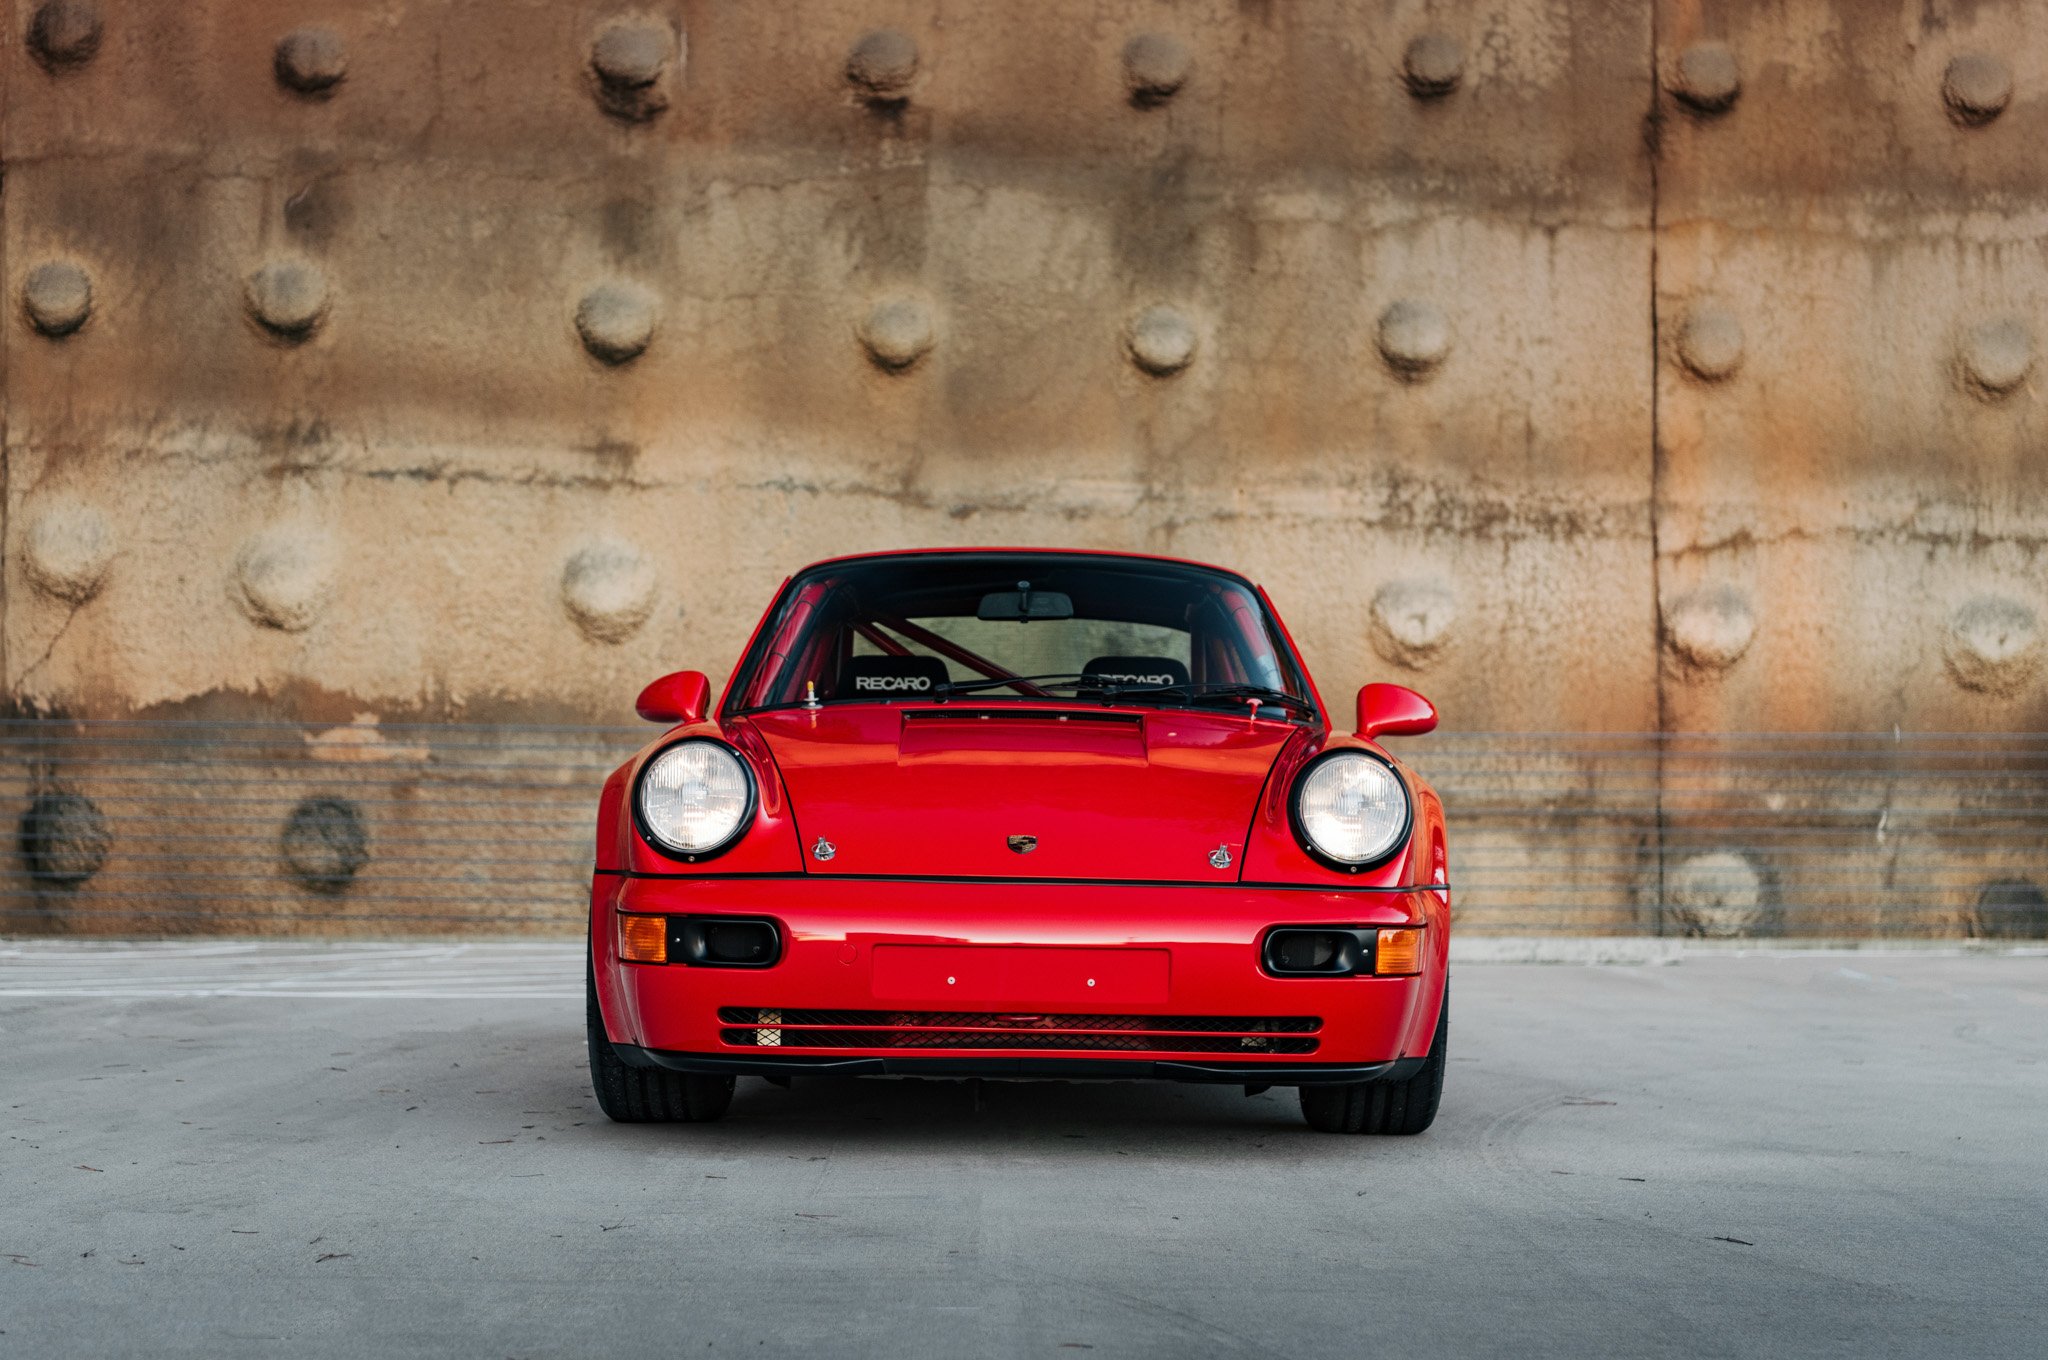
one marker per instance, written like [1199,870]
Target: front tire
[646,1095]
[1403,1107]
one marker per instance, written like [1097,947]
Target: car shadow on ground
[925,1115]
[550,1080]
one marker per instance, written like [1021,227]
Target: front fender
[768,846]
[1274,855]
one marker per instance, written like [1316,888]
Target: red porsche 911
[1019,814]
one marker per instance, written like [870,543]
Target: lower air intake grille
[770,1028]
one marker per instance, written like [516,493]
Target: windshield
[1016,627]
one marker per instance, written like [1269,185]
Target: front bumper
[1266,1072]
[1192,1016]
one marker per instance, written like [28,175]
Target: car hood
[940,791]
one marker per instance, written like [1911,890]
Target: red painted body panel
[1393,711]
[1021,552]
[683,697]
[1007,977]
[834,928]
[924,907]
[938,789]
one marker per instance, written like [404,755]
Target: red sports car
[1021,814]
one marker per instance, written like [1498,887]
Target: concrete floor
[393,1152]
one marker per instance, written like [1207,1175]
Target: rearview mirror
[1025,604]
[684,697]
[1393,711]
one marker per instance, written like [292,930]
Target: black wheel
[1385,1106]
[646,1095]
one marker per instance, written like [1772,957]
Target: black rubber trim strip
[1051,1069]
[1026,882]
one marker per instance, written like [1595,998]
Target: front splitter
[1022,1069]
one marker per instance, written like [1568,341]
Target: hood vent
[976,735]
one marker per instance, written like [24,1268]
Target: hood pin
[1219,858]
[823,850]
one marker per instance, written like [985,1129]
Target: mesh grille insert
[763,1027]
[1011,1020]
[968,1038]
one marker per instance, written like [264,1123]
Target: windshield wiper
[1094,686]
[1219,690]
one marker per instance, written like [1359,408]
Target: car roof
[912,553]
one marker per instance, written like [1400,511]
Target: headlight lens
[693,797]
[1352,809]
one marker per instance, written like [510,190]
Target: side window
[1237,645]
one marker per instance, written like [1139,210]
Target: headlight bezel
[1308,843]
[663,847]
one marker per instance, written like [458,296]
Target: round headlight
[694,797]
[1352,809]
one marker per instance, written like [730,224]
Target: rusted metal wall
[1851,508]
[1610,367]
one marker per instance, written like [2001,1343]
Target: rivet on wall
[1709,629]
[629,60]
[617,320]
[64,837]
[1155,67]
[2008,908]
[283,576]
[1161,341]
[1720,895]
[1707,77]
[1994,357]
[1976,87]
[882,65]
[1710,341]
[57,297]
[1411,621]
[608,588]
[310,61]
[1414,337]
[64,34]
[325,843]
[67,550]
[288,299]
[897,332]
[1433,65]
[1993,645]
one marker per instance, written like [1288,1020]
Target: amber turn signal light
[1399,953]
[643,939]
